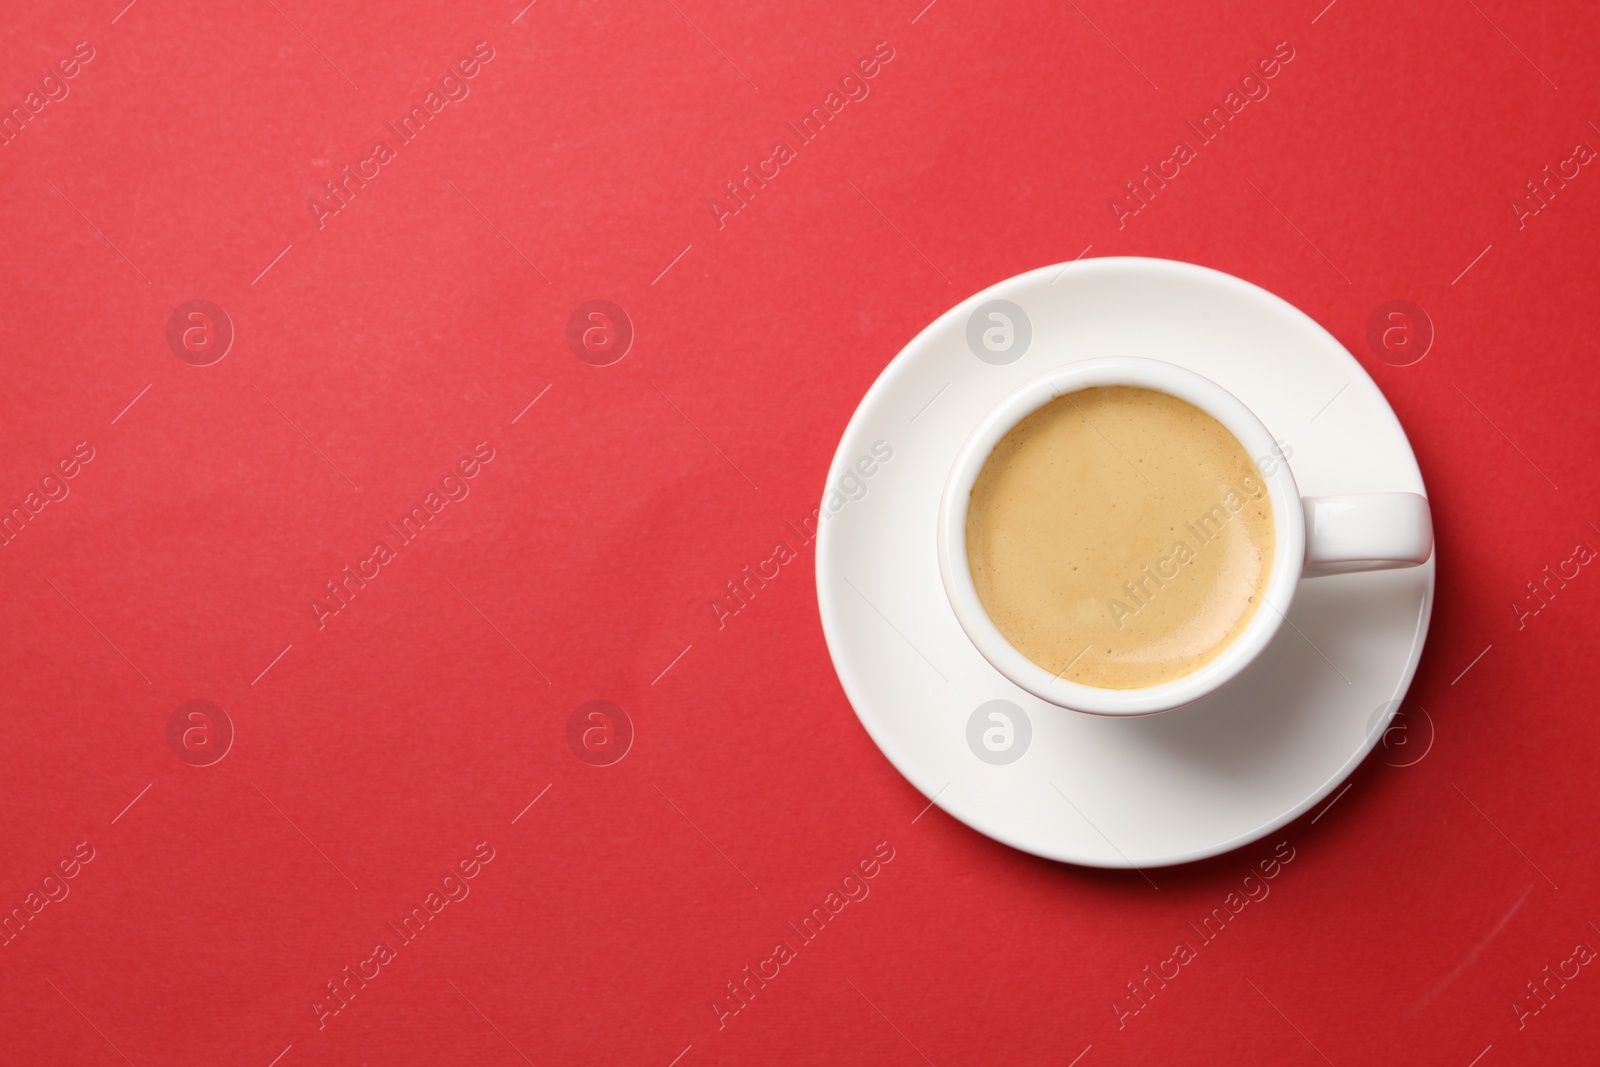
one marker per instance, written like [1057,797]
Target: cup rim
[1288,519]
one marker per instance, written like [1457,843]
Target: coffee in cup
[1127,517]
[1120,537]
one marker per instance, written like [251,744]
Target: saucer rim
[889,378]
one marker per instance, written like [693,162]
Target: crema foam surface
[1120,537]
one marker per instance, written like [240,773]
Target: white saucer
[1133,792]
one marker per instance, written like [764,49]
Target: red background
[419,721]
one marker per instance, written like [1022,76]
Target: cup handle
[1366,532]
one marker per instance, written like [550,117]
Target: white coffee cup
[1315,536]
